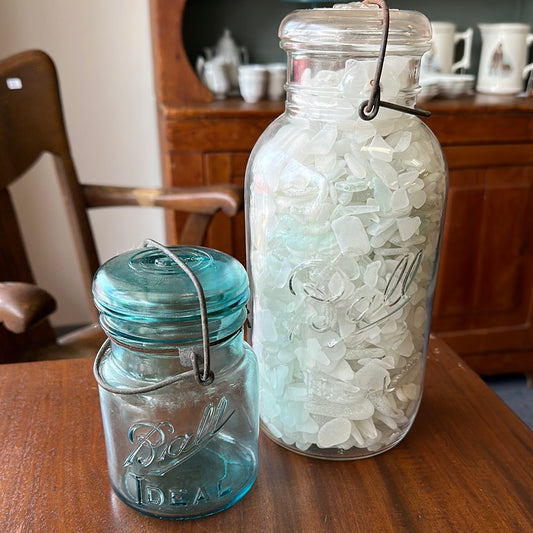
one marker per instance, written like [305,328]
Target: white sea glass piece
[357,168]
[342,371]
[399,200]
[351,235]
[386,172]
[367,428]
[408,226]
[332,345]
[400,140]
[371,273]
[418,199]
[372,377]
[359,410]
[334,432]
[379,149]
[323,141]
[405,179]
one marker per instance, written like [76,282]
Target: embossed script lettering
[396,294]
[157,450]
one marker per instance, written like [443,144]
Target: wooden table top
[465,465]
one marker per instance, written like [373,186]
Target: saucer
[454,85]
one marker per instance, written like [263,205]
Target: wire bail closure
[369,108]
[203,377]
[206,377]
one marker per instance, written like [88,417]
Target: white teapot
[233,56]
[227,52]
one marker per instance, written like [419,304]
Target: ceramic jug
[223,74]
[214,75]
[503,63]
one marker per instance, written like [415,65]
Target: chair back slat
[31,118]
[32,123]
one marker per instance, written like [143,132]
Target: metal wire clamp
[369,108]
[203,377]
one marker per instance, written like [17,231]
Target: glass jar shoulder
[328,158]
[233,360]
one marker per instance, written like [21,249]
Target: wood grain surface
[465,465]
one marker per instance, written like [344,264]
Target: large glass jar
[344,218]
[180,443]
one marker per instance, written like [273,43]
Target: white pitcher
[439,59]
[214,75]
[504,51]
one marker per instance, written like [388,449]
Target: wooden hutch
[484,297]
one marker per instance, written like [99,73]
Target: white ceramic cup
[504,51]
[277,77]
[252,82]
[440,58]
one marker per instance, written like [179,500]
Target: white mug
[504,50]
[252,82]
[440,58]
[277,76]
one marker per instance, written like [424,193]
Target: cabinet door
[227,234]
[210,168]
[484,294]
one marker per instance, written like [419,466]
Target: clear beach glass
[344,218]
[183,449]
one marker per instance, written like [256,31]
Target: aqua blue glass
[176,448]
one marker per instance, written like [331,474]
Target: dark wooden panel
[227,234]
[486,254]
[456,292]
[484,294]
[504,268]
[499,155]
[214,135]
[184,169]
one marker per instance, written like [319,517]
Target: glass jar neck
[139,333]
[332,87]
[146,366]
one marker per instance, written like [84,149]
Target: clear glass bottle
[344,218]
[179,444]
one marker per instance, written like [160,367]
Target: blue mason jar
[177,382]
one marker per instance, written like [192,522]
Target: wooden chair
[31,122]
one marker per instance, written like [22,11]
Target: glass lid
[149,285]
[353,26]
